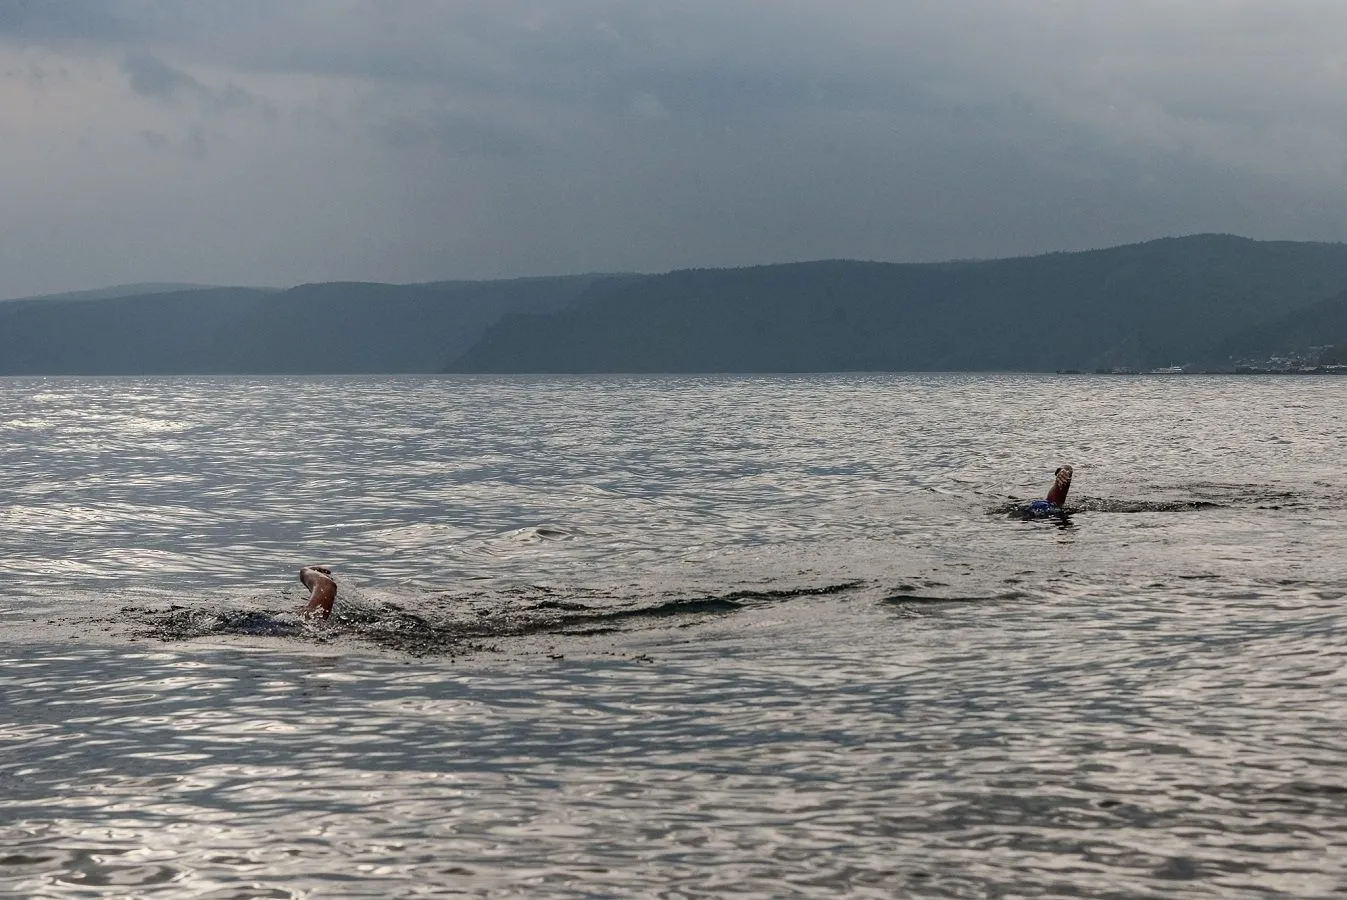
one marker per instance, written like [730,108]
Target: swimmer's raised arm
[1060,486]
[322,591]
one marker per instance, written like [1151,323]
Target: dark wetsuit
[1039,509]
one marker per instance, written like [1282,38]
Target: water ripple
[688,637]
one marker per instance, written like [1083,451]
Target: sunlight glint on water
[893,693]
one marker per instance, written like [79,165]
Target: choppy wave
[450,625]
[1199,497]
[1113,505]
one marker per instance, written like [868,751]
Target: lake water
[677,637]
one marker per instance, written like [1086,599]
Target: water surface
[672,637]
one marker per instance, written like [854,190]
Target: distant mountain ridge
[1205,299]
[1168,301]
[119,290]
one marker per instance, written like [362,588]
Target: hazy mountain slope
[1171,300]
[157,333]
[1320,323]
[319,328]
[344,327]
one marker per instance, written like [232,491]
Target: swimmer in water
[322,591]
[1056,500]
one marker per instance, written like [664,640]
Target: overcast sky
[281,141]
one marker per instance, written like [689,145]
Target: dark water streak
[390,626]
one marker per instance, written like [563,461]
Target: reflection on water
[697,483]
[990,747]
[751,637]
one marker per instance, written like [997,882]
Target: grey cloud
[155,140]
[192,145]
[195,145]
[151,77]
[69,19]
[715,59]
[460,134]
[589,53]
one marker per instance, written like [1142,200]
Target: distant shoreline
[1240,370]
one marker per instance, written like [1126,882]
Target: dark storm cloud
[597,56]
[593,54]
